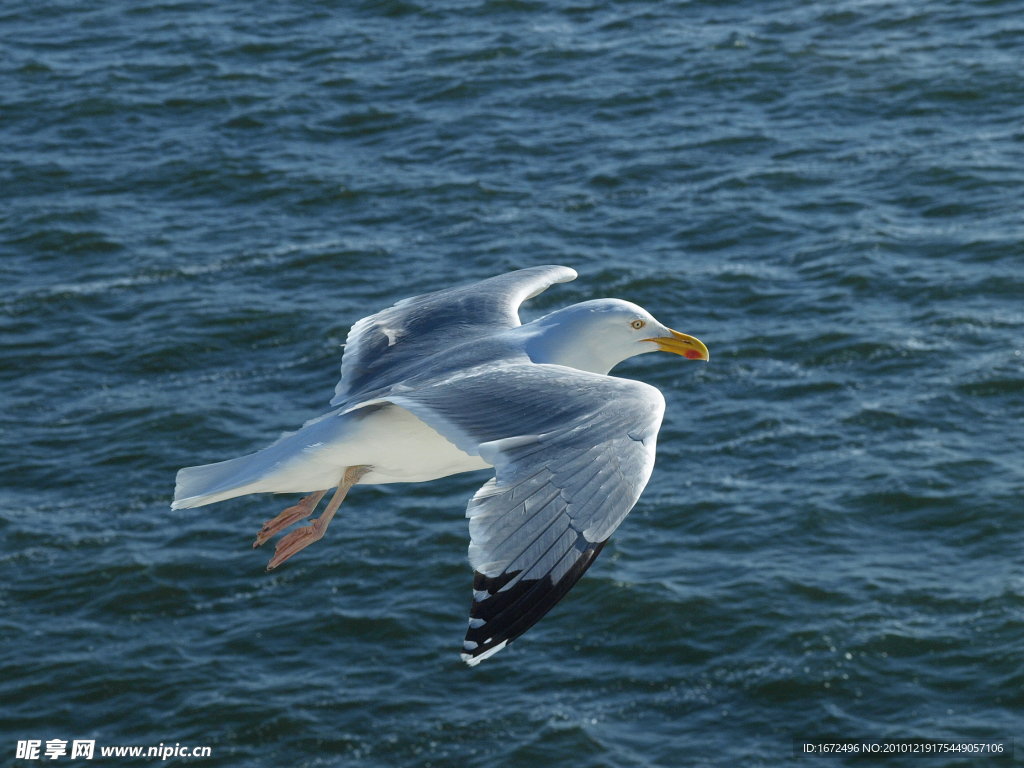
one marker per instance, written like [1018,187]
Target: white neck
[557,340]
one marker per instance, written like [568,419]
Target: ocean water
[199,199]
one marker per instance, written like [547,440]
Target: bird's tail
[196,486]
[289,465]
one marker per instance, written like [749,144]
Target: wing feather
[572,453]
[386,348]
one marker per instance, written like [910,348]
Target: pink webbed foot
[299,539]
[296,541]
[300,511]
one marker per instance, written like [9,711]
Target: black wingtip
[503,615]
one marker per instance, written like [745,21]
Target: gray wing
[572,453]
[384,348]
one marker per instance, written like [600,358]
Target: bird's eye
[638,324]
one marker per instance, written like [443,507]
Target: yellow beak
[681,344]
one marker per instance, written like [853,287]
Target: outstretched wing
[572,453]
[384,348]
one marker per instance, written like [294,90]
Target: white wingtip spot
[472,661]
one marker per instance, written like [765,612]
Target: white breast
[398,446]
[402,449]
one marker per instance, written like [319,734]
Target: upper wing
[383,348]
[572,453]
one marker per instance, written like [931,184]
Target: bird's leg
[301,538]
[291,515]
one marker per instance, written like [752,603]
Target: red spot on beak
[692,354]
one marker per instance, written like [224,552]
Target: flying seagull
[452,382]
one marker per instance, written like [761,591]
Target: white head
[598,335]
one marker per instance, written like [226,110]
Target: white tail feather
[294,464]
[196,486]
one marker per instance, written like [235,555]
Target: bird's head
[598,335]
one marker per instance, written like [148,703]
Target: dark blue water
[199,200]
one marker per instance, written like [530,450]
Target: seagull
[452,382]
